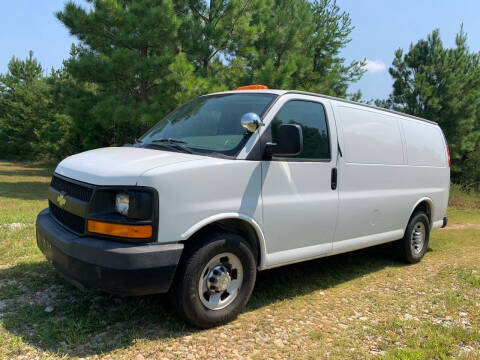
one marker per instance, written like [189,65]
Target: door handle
[334,179]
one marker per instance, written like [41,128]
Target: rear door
[299,202]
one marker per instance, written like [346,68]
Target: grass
[363,304]
[464,197]
[470,277]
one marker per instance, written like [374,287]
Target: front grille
[72,221]
[72,189]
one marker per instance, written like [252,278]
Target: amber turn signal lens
[120,230]
[253,87]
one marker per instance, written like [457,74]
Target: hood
[118,165]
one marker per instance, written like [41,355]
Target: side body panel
[379,188]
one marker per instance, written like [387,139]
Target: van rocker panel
[115,267]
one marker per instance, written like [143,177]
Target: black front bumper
[119,268]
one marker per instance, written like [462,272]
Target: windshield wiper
[169,140]
[173,144]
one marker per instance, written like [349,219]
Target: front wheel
[215,279]
[414,244]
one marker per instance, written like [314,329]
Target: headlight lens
[122,203]
[134,204]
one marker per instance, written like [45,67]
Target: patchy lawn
[358,305]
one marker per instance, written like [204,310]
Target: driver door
[300,198]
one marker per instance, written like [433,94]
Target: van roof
[283,92]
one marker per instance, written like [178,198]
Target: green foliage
[443,85]
[126,48]
[23,105]
[297,47]
[43,116]
[135,61]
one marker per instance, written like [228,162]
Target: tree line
[136,60]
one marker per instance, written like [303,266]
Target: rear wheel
[414,244]
[215,279]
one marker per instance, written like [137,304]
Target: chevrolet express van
[235,182]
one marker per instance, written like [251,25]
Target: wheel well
[237,226]
[426,208]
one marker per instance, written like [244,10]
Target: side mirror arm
[271,149]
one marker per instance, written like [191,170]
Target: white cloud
[374,66]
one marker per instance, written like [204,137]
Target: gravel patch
[15,226]
[463,226]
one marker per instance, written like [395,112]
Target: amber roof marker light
[253,87]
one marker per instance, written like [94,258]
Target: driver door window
[311,117]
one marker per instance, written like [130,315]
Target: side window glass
[311,117]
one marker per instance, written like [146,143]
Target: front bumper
[119,268]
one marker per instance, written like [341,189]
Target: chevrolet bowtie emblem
[61,200]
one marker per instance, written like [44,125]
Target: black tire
[405,250]
[185,290]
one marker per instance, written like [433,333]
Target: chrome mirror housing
[251,121]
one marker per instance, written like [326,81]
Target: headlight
[122,203]
[134,204]
[127,213]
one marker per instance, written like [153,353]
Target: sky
[31,25]
[381,27]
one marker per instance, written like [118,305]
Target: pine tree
[24,104]
[298,47]
[126,49]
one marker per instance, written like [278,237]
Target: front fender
[232,215]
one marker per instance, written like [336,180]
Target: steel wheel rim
[417,239]
[220,281]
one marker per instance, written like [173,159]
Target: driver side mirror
[290,141]
[251,122]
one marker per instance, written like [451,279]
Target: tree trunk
[144,86]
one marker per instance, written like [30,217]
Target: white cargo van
[240,181]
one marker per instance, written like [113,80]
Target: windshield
[208,124]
